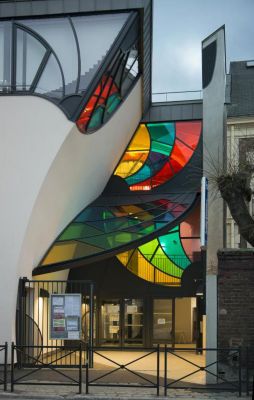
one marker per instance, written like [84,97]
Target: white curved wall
[49,172]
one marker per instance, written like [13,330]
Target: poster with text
[65,316]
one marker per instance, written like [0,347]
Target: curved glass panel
[50,83]
[100,229]
[30,53]
[5,56]
[136,153]
[164,259]
[59,35]
[108,94]
[171,147]
[96,34]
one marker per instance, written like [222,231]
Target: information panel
[65,316]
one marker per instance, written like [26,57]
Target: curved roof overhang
[114,224]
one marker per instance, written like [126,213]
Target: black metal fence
[141,380]
[3,366]
[225,369]
[20,376]
[231,369]
[33,320]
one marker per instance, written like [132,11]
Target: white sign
[161,321]
[132,309]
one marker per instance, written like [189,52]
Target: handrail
[3,381]
[169,95]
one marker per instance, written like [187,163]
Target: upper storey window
[68,59]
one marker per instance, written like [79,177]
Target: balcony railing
[177,96]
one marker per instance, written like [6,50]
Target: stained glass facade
[108,229]
[167,148]
[163,260]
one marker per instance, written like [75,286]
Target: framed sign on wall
[65,316]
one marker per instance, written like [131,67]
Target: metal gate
[33,321]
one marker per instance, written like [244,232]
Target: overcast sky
[181,25]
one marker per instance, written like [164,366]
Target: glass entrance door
[110,322]
[162,320]
[121,322]
[133,322]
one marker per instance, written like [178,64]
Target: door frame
[122,341]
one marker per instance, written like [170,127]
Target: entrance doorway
[175,321]
[121,322]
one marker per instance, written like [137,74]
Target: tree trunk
[235,191]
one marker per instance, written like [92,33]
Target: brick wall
[236,297]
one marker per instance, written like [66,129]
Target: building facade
[240,131]
[99,184]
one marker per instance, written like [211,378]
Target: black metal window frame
[129,34]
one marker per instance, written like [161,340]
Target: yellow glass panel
[144,270]
[141,140]
[136,154]
[60,252]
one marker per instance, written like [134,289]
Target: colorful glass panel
[107,228]
[164,259]
[171,147]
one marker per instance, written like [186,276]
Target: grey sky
[181,25]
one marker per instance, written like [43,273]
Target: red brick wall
[236,297]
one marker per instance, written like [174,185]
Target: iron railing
[19,377]
[222,355]
[177,96]
[3,378]
[143,381]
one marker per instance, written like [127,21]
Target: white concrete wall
[49,171]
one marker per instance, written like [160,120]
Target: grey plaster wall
[174,111]
[214,146]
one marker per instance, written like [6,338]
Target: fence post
[158,369]
[240,371]
[165,370]
[5,365]
[80,368]
[247,371]
[87,377]
[12,367]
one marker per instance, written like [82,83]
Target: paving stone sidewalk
[26,392]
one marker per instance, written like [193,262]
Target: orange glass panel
[191,246]
[191,225]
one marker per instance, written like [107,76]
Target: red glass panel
[180,154]
[189,132]
[104,89]
[163,175]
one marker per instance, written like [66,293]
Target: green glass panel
[95,121]
[113,240]
[172,246]
[148,229]
[143,174]
[161,148]
[164,264]
[149,248]
[112,103]
[76,231]
[163,132]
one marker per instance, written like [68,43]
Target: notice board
[65,316]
